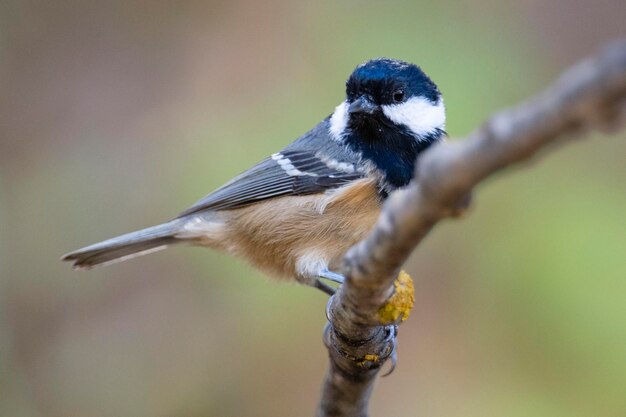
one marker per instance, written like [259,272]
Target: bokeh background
[116,115]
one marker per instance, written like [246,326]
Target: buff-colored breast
[295,236]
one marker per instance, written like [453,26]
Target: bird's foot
[390,342]
[328,327]
[392,333]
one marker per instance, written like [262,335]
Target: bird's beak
[362,105]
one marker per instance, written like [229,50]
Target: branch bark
[591,95]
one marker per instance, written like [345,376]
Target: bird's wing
[289,172]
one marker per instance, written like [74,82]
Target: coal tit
[296,213]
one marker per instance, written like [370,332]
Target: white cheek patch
[339,121]
[420,115]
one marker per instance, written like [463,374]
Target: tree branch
[591,95]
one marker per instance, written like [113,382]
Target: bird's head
[387,95]
[392,112]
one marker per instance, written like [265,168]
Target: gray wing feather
[308,155]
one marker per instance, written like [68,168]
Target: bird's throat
[392,151]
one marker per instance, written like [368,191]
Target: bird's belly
[297,236]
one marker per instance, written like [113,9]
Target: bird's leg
[324,287]
[332,276]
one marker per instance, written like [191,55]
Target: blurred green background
[117,115]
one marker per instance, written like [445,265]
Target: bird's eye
[398,96]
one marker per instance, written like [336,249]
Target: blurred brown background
[117,115]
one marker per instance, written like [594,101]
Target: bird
[296,213]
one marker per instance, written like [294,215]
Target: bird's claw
[327,311]
[390,341]
[326,335]
[392,332]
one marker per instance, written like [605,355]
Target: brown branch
[591,95]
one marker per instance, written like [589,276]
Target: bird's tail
[126,246]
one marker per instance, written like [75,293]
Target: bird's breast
[295,235]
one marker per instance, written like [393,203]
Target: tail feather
[126,246]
